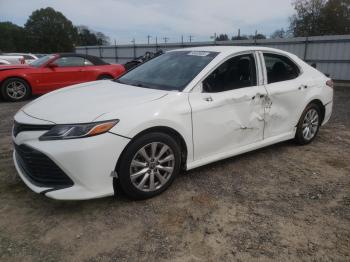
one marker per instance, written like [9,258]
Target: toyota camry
[181,110]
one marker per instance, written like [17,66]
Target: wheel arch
[166,130]
[320,105]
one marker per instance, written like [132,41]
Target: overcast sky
[126,19]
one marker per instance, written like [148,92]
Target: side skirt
[240,150]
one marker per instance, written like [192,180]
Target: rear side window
[70,61]
[237,72]
[28,57]
[280,68]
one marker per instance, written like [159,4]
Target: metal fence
[331,54]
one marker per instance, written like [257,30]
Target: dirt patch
[284,202]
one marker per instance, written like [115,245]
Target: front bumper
[88,162]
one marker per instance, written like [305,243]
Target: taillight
[330,83]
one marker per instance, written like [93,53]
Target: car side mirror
[52,65]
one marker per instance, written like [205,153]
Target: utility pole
[255,37]
[182,40]
[165,39]
[239,34]
[190,38]
[133,42]
[115,51]
[156,43]
[148,38]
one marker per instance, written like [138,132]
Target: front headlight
[59,132]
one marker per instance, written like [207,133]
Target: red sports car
[51,72]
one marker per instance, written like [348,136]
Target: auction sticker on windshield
[198,53]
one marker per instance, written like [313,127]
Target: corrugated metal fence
[331,54]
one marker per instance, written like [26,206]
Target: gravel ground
[284,202]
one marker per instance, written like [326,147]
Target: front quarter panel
[172,110]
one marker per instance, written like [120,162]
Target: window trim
[262,52]
[248,52]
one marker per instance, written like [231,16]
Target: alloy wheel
[16,90]
[152,166]
[310,124]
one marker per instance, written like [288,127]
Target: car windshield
[170,71]
[41,60]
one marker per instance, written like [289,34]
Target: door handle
[208,99]
[258,95]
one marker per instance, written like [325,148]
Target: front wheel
[15,89]
[149,165]
[308,125]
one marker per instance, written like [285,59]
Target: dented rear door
[284,103]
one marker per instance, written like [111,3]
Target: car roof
[230,49]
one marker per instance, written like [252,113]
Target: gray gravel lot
[284,202]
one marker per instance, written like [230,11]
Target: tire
[162,174]
[15,89]
[105,77]
[310,120]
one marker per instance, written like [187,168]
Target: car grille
[39,169]
[18,128]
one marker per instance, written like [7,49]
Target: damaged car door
[286,89]
[229,112]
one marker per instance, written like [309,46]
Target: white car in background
[28,58]
[181,110]
[11,60]
[4,62]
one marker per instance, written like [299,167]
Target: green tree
[50,31]
[240,37]
[222,37]
[102,38]
[279,33]
[320,17]
[335,17]
[88,37]
[259,36]
[12,38]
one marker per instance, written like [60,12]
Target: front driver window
[70,61]
[237,72]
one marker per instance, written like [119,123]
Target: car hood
[86,102]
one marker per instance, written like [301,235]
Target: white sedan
[181,110]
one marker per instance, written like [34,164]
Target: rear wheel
[15,89]
[308,125]
[149,165]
